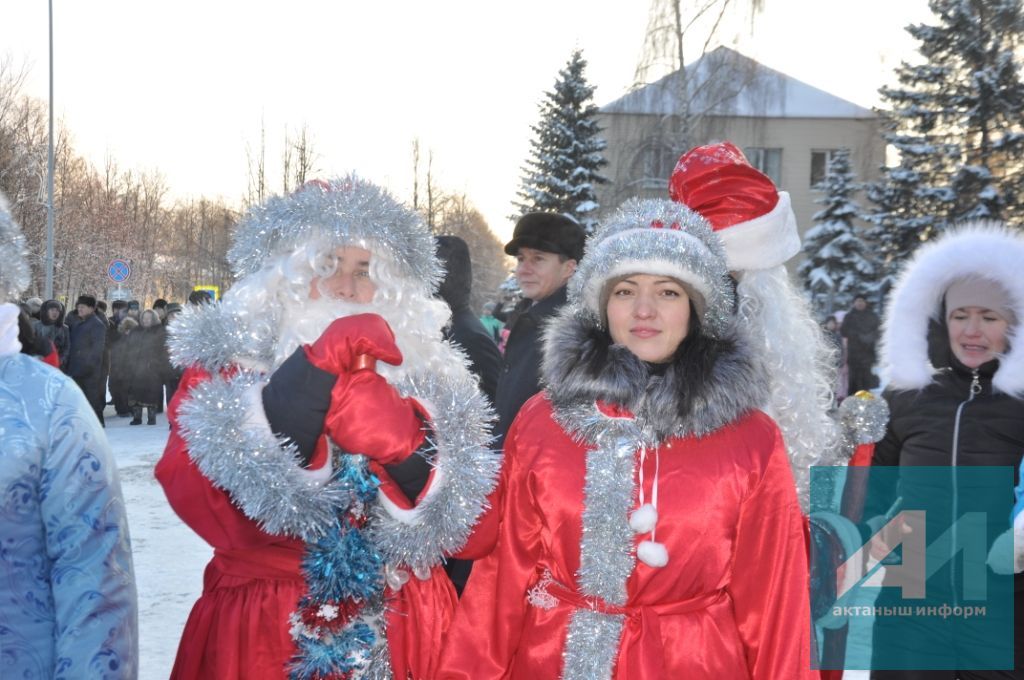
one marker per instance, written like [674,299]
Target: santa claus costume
[757,226]
[325,564]
[649,526]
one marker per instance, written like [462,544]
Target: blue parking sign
[119,271]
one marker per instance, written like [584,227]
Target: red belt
[270,561]
[644,654]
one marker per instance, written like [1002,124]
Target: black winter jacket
[54,331]
[141,369]
[520,376]
[955,421]
[467,332]
[88,340]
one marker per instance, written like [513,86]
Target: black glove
[296,402]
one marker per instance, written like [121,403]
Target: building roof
[743,87]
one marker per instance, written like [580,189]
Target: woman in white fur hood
[955,387]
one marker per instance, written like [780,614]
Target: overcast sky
[182,87]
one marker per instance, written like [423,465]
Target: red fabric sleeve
[418,616]
[862,455]
[489,621]
[482,541]
[52,358]
[209,511]
[769,581]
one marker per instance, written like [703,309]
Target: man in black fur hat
[85,364]
[547,247]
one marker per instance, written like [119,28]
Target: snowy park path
[168,557]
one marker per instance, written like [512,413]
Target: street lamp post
[49,179]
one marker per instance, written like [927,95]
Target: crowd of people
[608,481]
[120,349]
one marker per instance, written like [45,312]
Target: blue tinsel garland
[344,572]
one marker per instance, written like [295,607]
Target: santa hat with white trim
[663,238]
[753,218]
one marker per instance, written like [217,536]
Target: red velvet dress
[731,604]
[239,629]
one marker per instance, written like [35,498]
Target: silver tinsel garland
[219,335]
[342,211]
[685,241]
[467,472]
[14,271]
[259,470]
[606,549]
[591,645]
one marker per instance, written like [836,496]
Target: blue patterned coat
[67,590]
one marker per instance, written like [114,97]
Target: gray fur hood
[710,382]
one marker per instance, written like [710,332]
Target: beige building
[786,128]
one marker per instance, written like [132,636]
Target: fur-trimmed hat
[656,237]
[989,250]
[14,273]
[344,211]
[551,232]
[754,219]
[87,300]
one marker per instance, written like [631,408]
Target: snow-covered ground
[169,558]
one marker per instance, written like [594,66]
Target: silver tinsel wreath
[259,470]
[468,471]
[14,271]
[343,210]
[222,334]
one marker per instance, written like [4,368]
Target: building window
[653,165]
[768,161]
[820,160]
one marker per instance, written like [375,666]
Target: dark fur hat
[550,232]
[87,300]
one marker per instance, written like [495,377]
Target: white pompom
[643,519]
[652,554]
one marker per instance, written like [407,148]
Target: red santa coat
[239,627]
[229,478]
[732,602]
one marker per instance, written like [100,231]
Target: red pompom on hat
[754,219]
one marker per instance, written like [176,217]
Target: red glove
[366,415]
[338,348]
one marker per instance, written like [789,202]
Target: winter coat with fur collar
[564,594]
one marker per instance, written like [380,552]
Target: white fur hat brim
[986,250]
[764,242]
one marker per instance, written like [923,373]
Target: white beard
[417,325]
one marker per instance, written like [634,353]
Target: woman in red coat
[649,524]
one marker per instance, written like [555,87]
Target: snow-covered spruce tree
[838,265]
[955,120]
[565,153]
